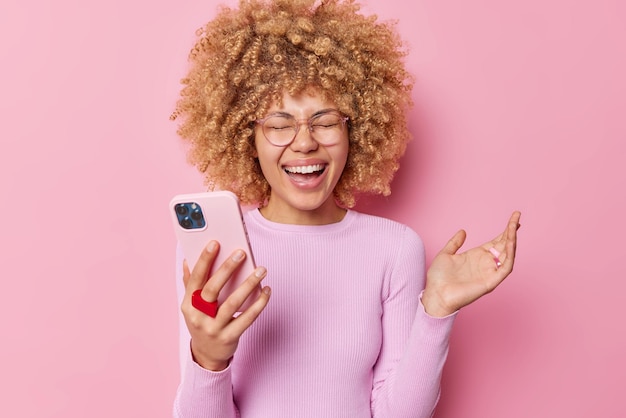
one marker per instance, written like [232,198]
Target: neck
[328,213]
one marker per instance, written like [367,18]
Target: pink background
[519,105]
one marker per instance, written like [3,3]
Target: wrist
[434,305]
[212,365]
[208,363]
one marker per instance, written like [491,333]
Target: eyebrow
[319,112]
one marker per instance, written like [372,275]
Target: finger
[453,245]
[497,242]
[198,276]
[512,226]
[500,242]
[186,273]
[511,241]
[212,287]
[514,221]
[235,300]
[243,321]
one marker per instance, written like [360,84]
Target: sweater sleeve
[201,393]
[205,394]
[408,372]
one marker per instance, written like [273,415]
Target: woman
[299,107]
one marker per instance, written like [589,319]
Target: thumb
[453,245]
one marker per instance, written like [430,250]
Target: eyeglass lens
[325,128]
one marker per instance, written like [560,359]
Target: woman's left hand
[456,280]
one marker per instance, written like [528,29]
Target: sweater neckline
[259,219]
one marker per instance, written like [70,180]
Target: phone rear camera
[181,209]
[196,215]
[186,223]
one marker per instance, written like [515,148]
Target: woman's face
[303,174]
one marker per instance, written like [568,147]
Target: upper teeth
[306,169]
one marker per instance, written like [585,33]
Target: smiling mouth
[305,172]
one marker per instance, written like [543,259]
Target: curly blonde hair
[246,58]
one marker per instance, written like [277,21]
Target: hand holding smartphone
[201,217]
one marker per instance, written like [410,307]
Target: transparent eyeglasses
[280,129]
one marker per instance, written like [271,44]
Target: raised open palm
[455,280]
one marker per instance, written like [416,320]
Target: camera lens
[196,215]
[181,209]
[186,223]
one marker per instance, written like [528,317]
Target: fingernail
[267,290]
[211,246]
[260,272]
[238,255]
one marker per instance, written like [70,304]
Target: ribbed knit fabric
[344,333]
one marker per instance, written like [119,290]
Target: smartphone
[201,217]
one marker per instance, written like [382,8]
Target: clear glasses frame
[325,128]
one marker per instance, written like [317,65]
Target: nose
[303,141]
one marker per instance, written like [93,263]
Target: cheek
[255,144]
[267,158]
[342,153]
